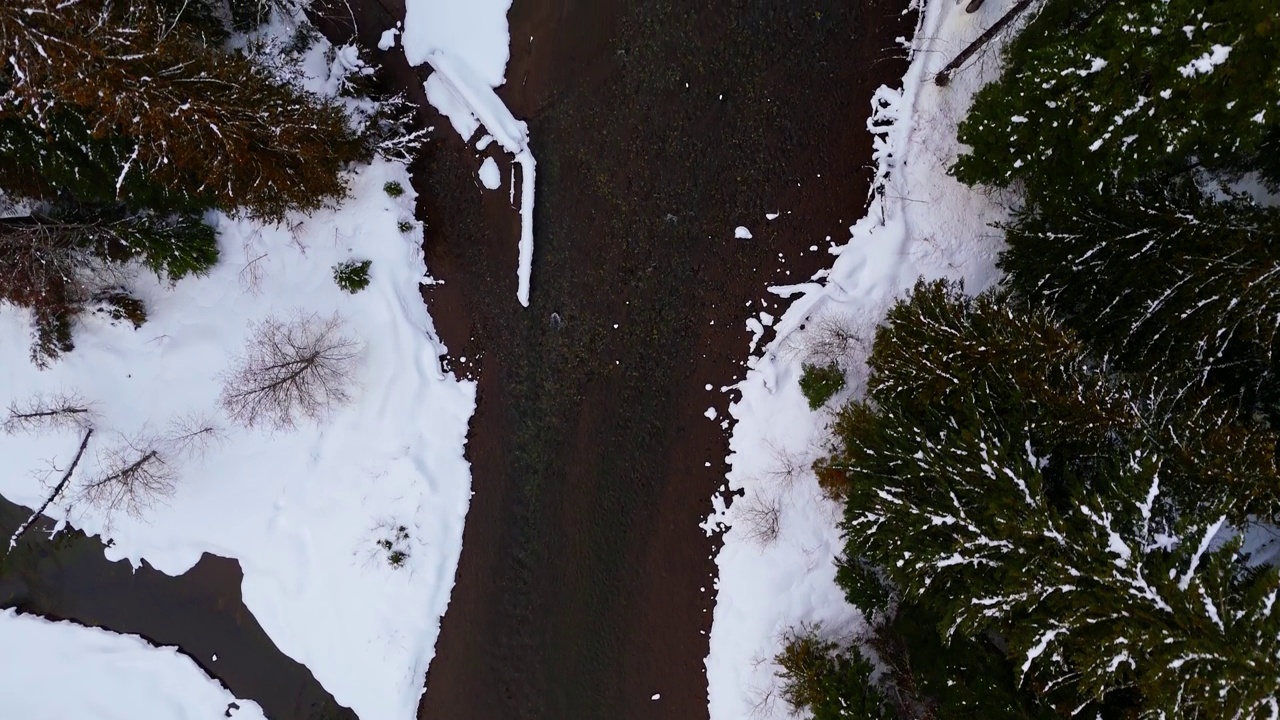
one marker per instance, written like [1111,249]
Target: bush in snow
[999,474]
[292,369]
[819,383]
[352,275]
[832,682]
[393,189]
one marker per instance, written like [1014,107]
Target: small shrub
[831,683]
[395,542]
[405,226]
[761,517]
[352,275]
[50,336]
[394,189]
[119,305]
[819,383]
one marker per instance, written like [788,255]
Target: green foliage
[352,275]
[1161,278]
[819,383]
[172,246]
[1106,91]
[959,679]
[55,158]
[1002,477]
[189,114]
[395,543]
[864,587]
[405,226]
[393,188]
[118,305]
[832,683]
[50,335]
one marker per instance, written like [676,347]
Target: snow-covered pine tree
[1164,278]
[1103,91]
[1041,501]
[198,118]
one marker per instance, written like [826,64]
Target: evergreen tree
[831,682]
[1105,91]
[55,158]
[963,679]
[1001,476]
[1163,278]
[205,121]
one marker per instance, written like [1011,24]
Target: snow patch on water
[490,176]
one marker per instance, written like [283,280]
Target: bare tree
[140,471]
[133,475]
[40,412]
[832,340]
[761,517]
[190,436]
[57,490]
[302,367]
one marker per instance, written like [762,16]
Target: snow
[58,670]
[1205,64]
[490,176]
[302,511]
[388,39]
[921,221]
[742,233]
[468,45]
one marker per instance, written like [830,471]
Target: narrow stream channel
[200,612]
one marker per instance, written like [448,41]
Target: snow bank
[468,45]
[920,222]
[302,511]
[58,670]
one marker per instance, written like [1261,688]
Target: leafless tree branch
[133,476]
[299,368]
[47,412]
[57,490]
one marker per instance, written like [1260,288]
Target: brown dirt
[585,580]
[581,587]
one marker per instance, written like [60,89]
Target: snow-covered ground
[303,510]
[467,46]
[315,515]
[56,671]
[920,222]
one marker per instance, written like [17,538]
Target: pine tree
[999,474]
[1105,91]
[1163,278]
[56,158]
[205,121]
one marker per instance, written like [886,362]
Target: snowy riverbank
[777,566]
